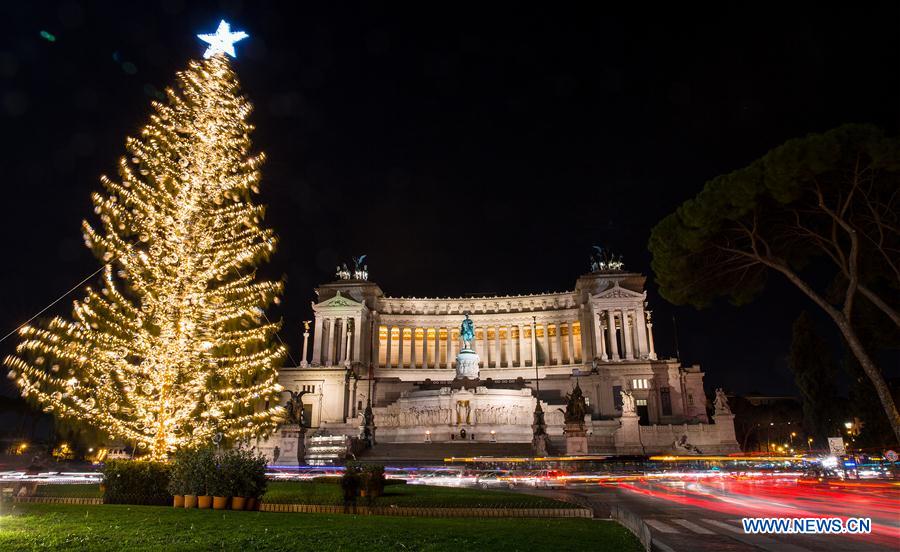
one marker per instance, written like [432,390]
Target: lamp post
[538,427]
[368,414]
[537,381]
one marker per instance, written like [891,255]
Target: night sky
[464,150]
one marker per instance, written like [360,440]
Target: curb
[432,512]
[636,525]
[57,500]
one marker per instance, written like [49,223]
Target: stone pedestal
[576,439]
[724,428]
[628,436]
[291,443]
[467,364]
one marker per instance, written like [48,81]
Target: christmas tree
[174,346]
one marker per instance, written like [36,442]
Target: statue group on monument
[602,260]
[360,271]
[576,406]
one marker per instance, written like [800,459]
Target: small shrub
[180,476]
[256,475]
[243,473]
[373,481]
[350,483]
[136,482]
[200,471]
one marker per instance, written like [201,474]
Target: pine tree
[174,347]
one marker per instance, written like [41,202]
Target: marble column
[495,348]
[388,346]
[349,339]
[534,344]
[412,347]
[358,333]
[485,350]
[376,343]
[571,329]
[509,346]
[451,348]
[559,349]
[627,335]
[303,361]
[602,345]
[589,340]
[519,339]
[317,341]
[641,331]
[548,359]
[611,331]
[400,347]
[652,355]
[329,342]
[598,336]
[340,328]
[352,402]
[437,348]
[424,347]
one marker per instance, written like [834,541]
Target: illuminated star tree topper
[222,41]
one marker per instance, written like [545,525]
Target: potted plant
[201,476]
[191,486]
[178,479]
[232,466]
[257,481]
[245,474]
[219,486]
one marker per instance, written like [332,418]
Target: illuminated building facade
[403,351]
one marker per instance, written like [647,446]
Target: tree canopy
[819,210]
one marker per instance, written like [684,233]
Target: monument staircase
[436,452]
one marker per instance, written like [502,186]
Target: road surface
[705,513]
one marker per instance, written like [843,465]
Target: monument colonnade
[620,333]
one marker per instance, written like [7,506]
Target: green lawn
[119,527]
[69,490]
[297,492]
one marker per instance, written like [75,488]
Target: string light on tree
[173,347]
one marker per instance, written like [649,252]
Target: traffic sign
[836,446]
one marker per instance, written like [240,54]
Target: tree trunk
[842,321]
[874,374]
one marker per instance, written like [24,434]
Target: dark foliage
[814,368]
[136,482]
